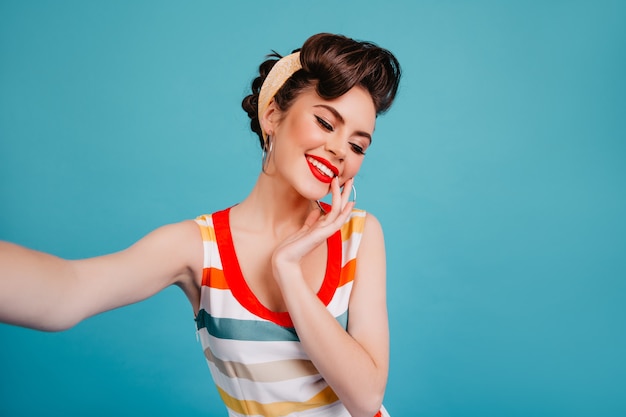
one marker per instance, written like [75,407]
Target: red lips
[318,173]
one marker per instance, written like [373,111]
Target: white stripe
[211,258]
[297,389]
[358,213]
[205,220]
[250,352]
[222,304]
[350,248]
[201,221]
[340,301]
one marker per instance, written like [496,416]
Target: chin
[315,193]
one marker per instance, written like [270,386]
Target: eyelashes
[329,128]
[357,149]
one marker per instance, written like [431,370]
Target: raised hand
[317,228]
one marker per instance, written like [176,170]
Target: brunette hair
[333,64]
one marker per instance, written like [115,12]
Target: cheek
[306,134]
[352,168]
[293,138]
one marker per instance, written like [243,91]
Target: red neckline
[239,287]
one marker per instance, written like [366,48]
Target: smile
[322,169]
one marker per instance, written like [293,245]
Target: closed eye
[325,125]
[357,149]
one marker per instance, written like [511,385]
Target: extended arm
[42,291]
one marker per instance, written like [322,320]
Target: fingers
[345,195]
[317,226]
[326,223]
[340,198]
[340,209]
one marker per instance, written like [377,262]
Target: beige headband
[280,72]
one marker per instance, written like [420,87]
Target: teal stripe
[253,330]
[343,320]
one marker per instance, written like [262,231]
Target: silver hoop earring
[267,151]
[319,204]
[354,192]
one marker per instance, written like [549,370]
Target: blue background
[499,177]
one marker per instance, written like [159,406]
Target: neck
[272,207]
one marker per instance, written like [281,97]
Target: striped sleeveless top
[253,353]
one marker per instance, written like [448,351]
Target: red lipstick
[318,173]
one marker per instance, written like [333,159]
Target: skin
[284,272]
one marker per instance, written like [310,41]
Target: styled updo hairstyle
[333,64]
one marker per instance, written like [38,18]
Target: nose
[336,146]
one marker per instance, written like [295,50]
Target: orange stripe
[214,278]
[347,272]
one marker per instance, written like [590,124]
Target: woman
[289,293]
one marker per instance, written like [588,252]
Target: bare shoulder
[188,237]
[373,227]
[180,247]
[372,241]
[183,238]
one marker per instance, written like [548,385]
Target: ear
[269,118]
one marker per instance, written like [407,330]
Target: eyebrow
[339,117]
